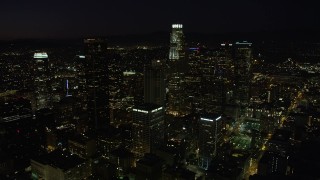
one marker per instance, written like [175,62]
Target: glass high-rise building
[176,73]
[210,134]
[148,128]
[176,42]
[42,86]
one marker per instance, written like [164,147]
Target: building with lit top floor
[176,42]
[41,74]
[210,133]
[148,128]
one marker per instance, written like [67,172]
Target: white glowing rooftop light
[140,110]
[146,112]
[128,73]
[244,43]
[40,55]
[158,109]
[211,120]
[206,119]
[177,26]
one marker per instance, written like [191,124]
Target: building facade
[154,83]
[97,82]
[176,42]
[210,133]
[41,74]
[148,128]
[242,68]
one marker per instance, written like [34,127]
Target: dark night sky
[66,18]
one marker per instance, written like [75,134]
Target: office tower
[177,95]
[42,86]
[178,66]
[242,68]
[97,82]
[148,128]
[226,53]
[80,84]
[212,74]
[176,43]
[210,133]
[212,95]
[154,83]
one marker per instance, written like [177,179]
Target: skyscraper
[154,83]
[242,67]
[176,42]
[97,82]
[176,73]
[209,136]
[148,128]
[80,90]
[42,86]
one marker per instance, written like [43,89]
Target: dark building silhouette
[59,165]
[154,83]
[149,167]
[21,135]
[97,82]
[272,163]
[242,66]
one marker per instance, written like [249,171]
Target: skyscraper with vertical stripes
[97,85]
[42,86]
[176,42]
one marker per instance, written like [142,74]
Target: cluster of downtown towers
[182,85]
[167,89]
